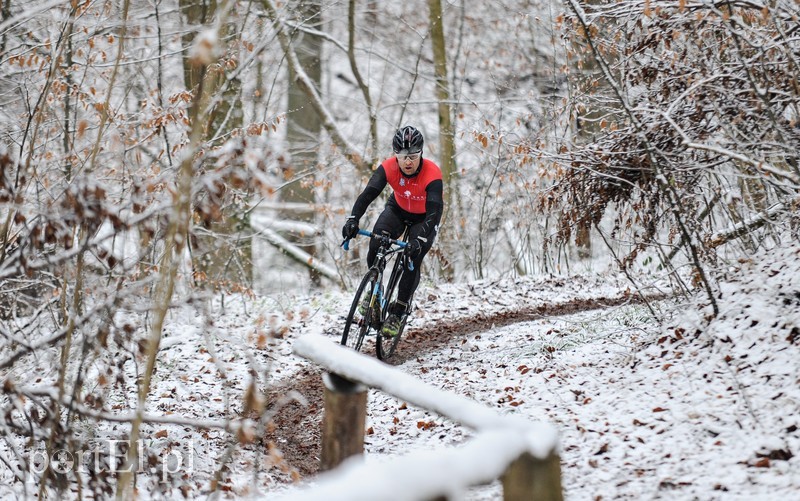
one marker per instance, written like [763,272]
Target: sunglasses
[413,156]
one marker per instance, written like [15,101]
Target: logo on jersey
[402,181]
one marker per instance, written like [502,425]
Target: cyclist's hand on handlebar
[413,249]
[350,228]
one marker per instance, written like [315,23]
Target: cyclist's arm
[374,188]
[434,206]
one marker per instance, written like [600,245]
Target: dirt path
[297,427]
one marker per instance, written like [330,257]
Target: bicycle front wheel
[357,324]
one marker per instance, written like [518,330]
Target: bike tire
[356,326]
[386,346]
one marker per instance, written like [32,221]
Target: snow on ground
[291,316]
[639,418]
[686,410]
[683,411]
[255,335]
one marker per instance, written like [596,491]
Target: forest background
[174,153]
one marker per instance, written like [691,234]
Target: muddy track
[297,427]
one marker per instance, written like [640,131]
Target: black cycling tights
[394,225]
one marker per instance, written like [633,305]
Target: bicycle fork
[377,295]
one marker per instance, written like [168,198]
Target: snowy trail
[296,429]
[695,408]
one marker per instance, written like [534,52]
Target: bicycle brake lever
[408,263]
[346,242]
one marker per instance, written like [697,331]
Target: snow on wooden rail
[375,374]
[420,474]
[523,453]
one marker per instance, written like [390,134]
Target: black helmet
[407,138]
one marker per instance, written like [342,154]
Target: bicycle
[380,298]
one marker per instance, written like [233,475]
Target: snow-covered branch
[297,253]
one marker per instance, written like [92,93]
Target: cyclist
[416,203]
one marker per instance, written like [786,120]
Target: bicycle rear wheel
[357,325]
[386,346]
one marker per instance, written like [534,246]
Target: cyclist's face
[409,163]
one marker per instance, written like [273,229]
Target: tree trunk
[5,14]
[351,54]
[226,240]
[304,126]
[446,132]
[583,239]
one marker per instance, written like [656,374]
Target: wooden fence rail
[522,453]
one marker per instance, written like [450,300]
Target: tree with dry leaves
[696,154]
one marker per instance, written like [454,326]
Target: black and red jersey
[415,198]
[410,192]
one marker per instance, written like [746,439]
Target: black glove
[350,228]
[413,249]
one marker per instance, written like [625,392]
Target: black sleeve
[434,206]
[374,188]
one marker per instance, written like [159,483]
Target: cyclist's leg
[388,222]
[410,280]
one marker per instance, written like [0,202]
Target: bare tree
[447,151]
[710,101]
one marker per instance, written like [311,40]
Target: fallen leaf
[603,449]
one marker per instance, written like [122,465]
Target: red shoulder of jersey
[410,192]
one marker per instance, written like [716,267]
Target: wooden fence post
[529,478]
[344,420]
